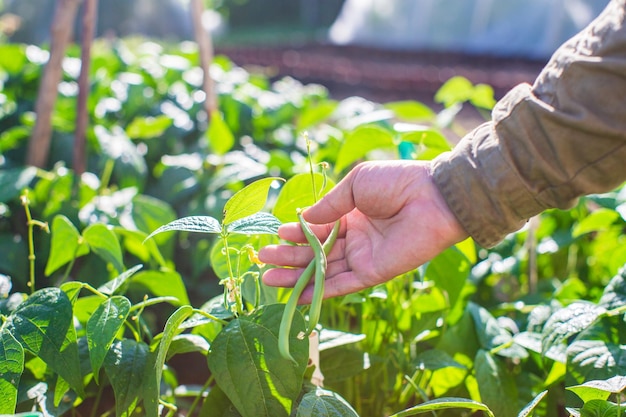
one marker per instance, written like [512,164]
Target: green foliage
[499,332]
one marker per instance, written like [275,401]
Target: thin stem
[196,400]
[210,316]
[96,401]
[308,151]
[31,243]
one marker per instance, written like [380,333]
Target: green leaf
[360,142]
[313,115]
[599,389]
[443,404]
[614,295]
[297,193]
[568,321]
[102,327]
[11,368]
[200,224]
[187,343]
[162,283]
[171,330]
[248,201]
[600,408]
[434,359]
[66,244]
[598,352]
[125,364]
[42,324]
[528,409]
[449,270]
[483,96]
[496,384]
[148,127]
[13,181]
[491,334]
[103,242]
[249,346]
[257,224]
[217,404]
[12,57]
[456,90]
[412,111]
[116,283]
[324,403]
[221,139]
[600,219]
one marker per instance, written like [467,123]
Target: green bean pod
[301,284]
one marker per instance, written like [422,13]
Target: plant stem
[31,244]
[196,400]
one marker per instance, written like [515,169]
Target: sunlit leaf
[600,219]
[200,224]
[103,242]
[297,193]
[360,142]
[443,404]
[413,111]
[112,286]
[324,403]
[568,321]
[11,368]
[66,244]
[102,327]
[496,384]
[249,200]
[125,365]
[248,346]
[42,324]
[530,407]
[161,283]
[258,223]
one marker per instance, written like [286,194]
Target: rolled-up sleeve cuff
[487,197]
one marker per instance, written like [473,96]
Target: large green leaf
[599,352]
[324,403]
[103,242]
[297,193]
[247,201]
[11,368]
[496,385]
[568,321]
[412,111]
[360,142]
[601,408]
[102,327]
[200,224]
[248,367]
[125,365]
[66,244]
[257,224]
[42,324]
[599,389]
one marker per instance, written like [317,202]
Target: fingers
[337,203]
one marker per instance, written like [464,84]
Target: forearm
[547,144]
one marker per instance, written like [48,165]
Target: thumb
[338,202]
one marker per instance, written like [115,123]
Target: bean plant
[134,289]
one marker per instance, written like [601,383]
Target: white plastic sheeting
[532,28]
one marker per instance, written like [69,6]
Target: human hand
[393,219]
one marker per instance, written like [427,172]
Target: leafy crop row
[98,311]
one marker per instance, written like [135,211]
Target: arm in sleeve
[548,144]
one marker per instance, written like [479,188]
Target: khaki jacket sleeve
[546,144]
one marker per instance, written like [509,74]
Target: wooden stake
[205,48]
[61,35]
